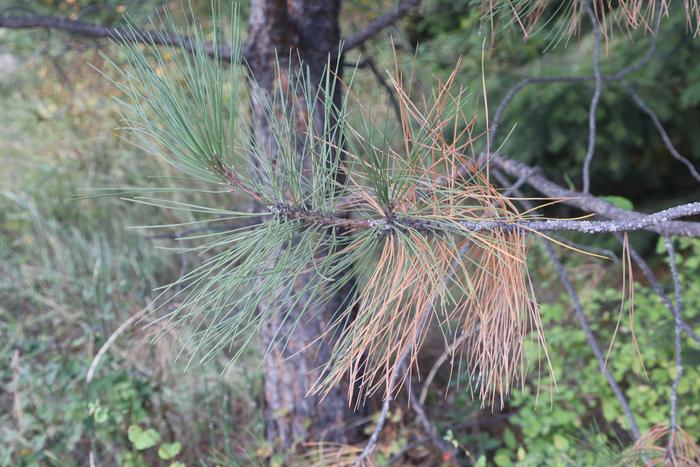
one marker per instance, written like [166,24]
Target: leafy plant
[581,411]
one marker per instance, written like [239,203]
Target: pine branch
[586,202]
[639,222]
[119,34]
[127,35]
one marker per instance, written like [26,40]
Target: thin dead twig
[678,328]
[379,24]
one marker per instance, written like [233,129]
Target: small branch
[644,107]
[515,89]
[678,328]
[120,34]
[369,63]
[438,363]
[428,426]
[520,182]
[374,437]
[378,24]
[585,202]
[108,343]
[590,152]
[626,220]
[652,46]
[588,248]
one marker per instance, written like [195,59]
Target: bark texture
[306,30]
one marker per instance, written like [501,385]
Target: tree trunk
[310,29]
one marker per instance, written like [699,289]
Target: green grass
[71,271]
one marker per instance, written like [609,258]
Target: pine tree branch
[119,34]
[638,222]
[626,220]
[224,53]
[585,202]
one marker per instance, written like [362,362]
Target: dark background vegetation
[71,271]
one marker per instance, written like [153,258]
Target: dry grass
[331,455]
[652,447]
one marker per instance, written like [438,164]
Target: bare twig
[592,343]
[590,152]
[588,248]
[108,343]
[519,86]
[522,179]
[436,366]
[378,24]
[369,63]
[644,107]
[586,202]
[427,425]
[120,34]
[372,441]
[651,50]
[678,328]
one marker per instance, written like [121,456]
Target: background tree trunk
[309,28]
